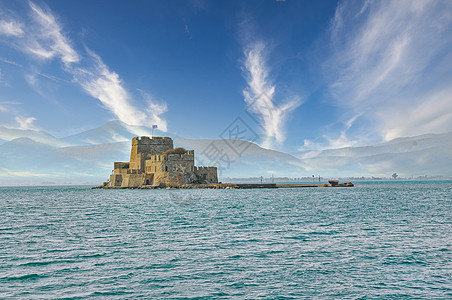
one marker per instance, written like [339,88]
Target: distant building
[154,161]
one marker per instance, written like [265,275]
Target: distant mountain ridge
[27,155]
[33,157]
[113,131]
[9,134]
[429,154]
[398,145]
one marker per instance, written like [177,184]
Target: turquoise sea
[376,240]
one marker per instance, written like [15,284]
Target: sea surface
[376,240]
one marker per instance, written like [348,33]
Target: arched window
[166,168]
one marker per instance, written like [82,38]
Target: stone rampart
[149,167]
[207,174]
[143,147]
[121,167]
[133,180]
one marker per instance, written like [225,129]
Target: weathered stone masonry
[149,166]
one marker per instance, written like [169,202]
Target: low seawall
[227,186]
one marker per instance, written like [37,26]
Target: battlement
[207,169]
[155,140]
[190,155]
[121,165]
[206,174]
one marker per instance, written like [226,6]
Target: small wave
[57,250]
[44,263]
[324,232]
[94,255]
[23,277]
[403,261]
[325,225]
[110,293]
[301,238]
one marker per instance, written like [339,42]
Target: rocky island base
[226,186]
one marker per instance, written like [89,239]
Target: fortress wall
[178,157]
[180,177]
[143,147]
[169,157]
[179,165]
[115,179]
[149,179]
[171,168]
[209,174]
[161,177]
[133,180]
[170,163]
[121,167]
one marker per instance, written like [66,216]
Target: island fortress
[155,162]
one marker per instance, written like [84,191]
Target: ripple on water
[378,240]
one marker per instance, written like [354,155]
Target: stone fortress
[155,162]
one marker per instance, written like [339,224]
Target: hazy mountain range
[429,154]
[36,157]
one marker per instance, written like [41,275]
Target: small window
[166,168]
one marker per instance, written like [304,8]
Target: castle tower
[143,147]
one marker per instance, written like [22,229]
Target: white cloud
[8,174]
[391,63]
[259,95]
[187,30]
[48,41]
[432,114]
[2,80]
[31,79]
[25,123]
[44,38]
[105,85]
[11,28]
[343,140]
[154,112]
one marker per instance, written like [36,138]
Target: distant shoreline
[227,186]
[89,185]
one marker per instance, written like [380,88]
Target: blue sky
[312,74]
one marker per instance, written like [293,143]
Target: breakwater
[227,186]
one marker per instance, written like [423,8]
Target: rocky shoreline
[224,186]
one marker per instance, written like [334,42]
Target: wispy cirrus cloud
[391,63]
[105,85]
[47,39]
[25,122]
[155,110]
[43,38]
[11,28]
[260,95]
[18,119]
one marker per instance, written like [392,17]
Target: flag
[154,126]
